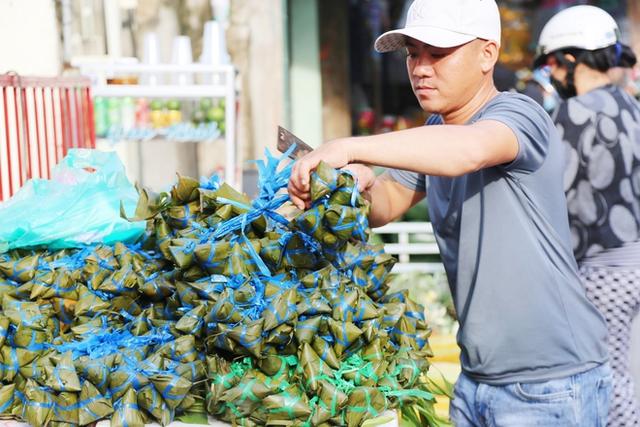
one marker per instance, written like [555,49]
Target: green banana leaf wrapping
[283,309]
[173,388]
[334,400]
[90,304]
[124,281]
[66,408]
[289,405]
[163,235]
[314,368]
[151,401]
[4,329]
[345,334]
[38,404]
[326,352]
[364,403]
[27,314]
[186,190]
[64,310]
[127,412]
[324,181]
[20,270]
[192,371]
[276,365]
[62,376]
[208,201]
[183,349]
[245,397]
[225,307]
[53,284]
[122,379]
[311,222]
[297,255]
[93,405]
[157,286]
[346,222]
[212,257]
[222,378]
[95,371]
[181,216]
[192,406]
[13,359]
[182,252]
[248,336]
[7,287]
[31,339]
[192,322]
[307,329]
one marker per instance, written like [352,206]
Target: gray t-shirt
[505,243]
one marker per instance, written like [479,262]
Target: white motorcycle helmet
[578,27]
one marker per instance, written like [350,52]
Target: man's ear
[489,53]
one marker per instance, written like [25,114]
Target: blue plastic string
[255,257]
[211,183]
[6,405]
[271,181]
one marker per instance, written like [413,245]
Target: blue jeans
[581,400]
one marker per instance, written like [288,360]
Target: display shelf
[204,81]
[160,91]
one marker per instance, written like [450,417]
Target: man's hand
[363,174]
[334,153]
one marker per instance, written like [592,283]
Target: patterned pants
[616,293]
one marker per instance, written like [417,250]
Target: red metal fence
[41,118]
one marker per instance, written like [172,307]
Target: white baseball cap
[445,23]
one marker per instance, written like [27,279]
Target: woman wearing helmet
[600,125]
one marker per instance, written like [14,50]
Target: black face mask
[564,91]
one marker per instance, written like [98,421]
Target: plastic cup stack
[151,56]
[181,55]
[214,48]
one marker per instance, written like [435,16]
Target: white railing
[423,243]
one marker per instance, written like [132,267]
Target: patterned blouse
[601,133]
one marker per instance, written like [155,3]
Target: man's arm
[443,150]
[389,200]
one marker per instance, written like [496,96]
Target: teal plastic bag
[79,205]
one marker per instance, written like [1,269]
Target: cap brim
[438,37]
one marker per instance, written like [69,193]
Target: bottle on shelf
[113,113]
[143,119]
[127,114]
[174,112]
[101,117]
[157,114]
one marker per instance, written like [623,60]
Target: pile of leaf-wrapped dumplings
[225,307]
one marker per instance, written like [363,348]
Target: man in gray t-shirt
[491,165]
[505,243]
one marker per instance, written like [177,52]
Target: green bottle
[113,108]
[100,116]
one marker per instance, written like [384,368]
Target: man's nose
[423,67]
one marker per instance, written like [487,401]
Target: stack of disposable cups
[221,9]
[214,47]
[181,55]
[151,56]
